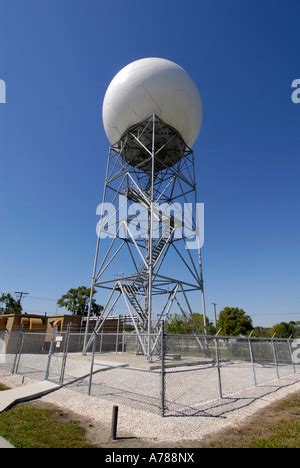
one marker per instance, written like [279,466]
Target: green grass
[27,426]
[286,434]
[278,426]
[3,387]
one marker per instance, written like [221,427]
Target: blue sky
[57,58]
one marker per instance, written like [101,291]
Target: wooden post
[114,422]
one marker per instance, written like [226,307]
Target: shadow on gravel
[220,408]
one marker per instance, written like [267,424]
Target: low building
[40,329]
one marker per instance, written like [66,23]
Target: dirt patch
[96,433]
[99,434]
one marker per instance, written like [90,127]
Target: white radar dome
[152,86]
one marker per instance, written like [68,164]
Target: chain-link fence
[187,375]
[223,368]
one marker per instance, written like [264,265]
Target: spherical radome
[152,86]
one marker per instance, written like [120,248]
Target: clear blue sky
[57,58]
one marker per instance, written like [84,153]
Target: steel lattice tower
[150,165]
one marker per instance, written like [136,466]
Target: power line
[29,296]
[283,314]
[42,298]
[278,314]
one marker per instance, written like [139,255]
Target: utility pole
[21,294]
[215,309]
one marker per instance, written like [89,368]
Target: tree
[234,321]
[76,301]
[195,323]
[11,305]
[283,329]
[177,325]
[261,332]
[296,333]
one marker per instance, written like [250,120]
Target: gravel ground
[144,425]
[190,391]
[187,389]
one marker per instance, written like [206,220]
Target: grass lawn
[3,387]
[27,426]
[278,426]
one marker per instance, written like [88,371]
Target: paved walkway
[8,398]
[5,444]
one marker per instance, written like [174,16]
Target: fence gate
[57,356]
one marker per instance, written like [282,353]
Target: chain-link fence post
[252,359]
[218,364]
[275,357]
[123,342]
[117,335]
[163,373]
[101,342]
[18,352]
[3,356]
[291,354]
[65,355]
[53,339]
[92,363]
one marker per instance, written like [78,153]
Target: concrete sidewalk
[5,444]
[9,398]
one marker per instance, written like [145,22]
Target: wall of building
[39,331]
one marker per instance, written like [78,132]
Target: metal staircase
[137,286]
[131,292]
